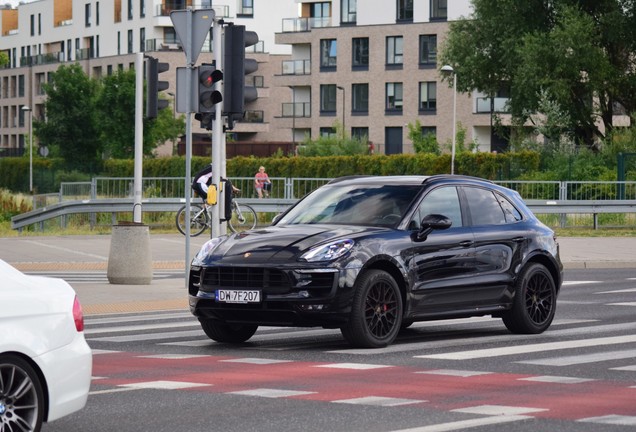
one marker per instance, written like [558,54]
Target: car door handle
[518,239]
[466,243]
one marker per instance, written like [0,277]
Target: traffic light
[208,96]
[153,102]
[206,120]
[236,66]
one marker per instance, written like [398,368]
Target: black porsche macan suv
[372,254]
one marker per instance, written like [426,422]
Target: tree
[336,144]
[70,124]
[577,53]
[116,106]
[423,143]
[4,59]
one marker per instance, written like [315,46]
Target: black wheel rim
[539,298]
[18,399]
[381,310]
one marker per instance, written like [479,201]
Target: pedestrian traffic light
[208,96]
[236,66]
[206,120]
[153,86]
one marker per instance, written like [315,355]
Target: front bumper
[289,297]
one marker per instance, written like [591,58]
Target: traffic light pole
[217,132]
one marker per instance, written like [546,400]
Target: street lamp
[343,110]
[25,109]
[447,69]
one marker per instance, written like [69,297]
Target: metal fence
[293,188]
[605,199]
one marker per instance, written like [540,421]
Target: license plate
[238,296]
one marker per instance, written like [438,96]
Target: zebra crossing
[99,276]
[174,341]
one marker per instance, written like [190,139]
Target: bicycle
[243,218]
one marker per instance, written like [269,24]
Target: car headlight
[206,249]
[329,251]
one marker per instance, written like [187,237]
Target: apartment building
[369,65]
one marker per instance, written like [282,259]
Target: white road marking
[557,379]
[164,385]
[620,420]
[499,410]
[455,373]
[271,393]
[531,348]
[582,359]
[255,361]
[379,401]
[356,366]
[466,424]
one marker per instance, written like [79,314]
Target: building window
[348,11]
[428,49]
[87,15]
[360,98]
[394,97]
[130,9]
[118,43]
[328,52]
[39,24]
[394,53]
[360,53]
[327,132]
[32,25]
[428,96]
[360,133]
[439,10]
[246,8]
[96,13]
[142,39]
[429,131]
[130,42]
[142,8]
[405,10]
[328,98]
[20,85]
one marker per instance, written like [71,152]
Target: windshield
[369,205]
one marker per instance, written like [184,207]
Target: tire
[227,333]
[21,395]
[534,303]
[376,314]
[198,221]
[247,222]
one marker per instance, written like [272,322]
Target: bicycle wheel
[198,220]
[243,218]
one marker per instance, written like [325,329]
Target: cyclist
[202,181]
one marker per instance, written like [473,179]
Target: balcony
[42,59]
[291,25]
[296,67]
[165,9]
[483,105]
[298,109]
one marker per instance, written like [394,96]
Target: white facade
[104,35]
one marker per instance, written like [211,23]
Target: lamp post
[293,89]
[343,110]
[25,109]
[449,70]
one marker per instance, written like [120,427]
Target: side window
[444,201]
[510,211]
[484,207]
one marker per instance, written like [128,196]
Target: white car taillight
[78,315]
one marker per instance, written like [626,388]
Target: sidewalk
[70,255]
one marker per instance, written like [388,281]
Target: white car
[45,362]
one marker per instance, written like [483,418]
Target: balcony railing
[165,9]
[42,59]
[298,109]
[304,24]
[484,105]
[296,67]
[253,116]
[167,44]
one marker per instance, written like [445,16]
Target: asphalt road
[157,371]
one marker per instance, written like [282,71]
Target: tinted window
[510,211]
[444,201]
[376,205]
[484,207]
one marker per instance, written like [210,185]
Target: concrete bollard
[130,260]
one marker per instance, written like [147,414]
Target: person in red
[262,183]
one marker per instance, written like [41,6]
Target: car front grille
[271,281]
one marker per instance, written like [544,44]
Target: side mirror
[430,223]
